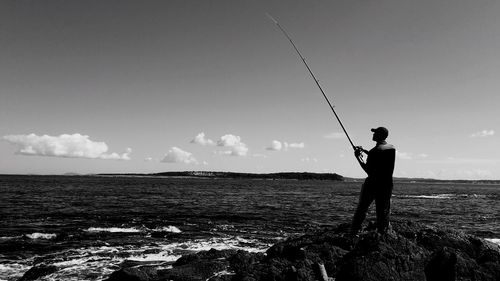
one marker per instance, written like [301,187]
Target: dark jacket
[380,163]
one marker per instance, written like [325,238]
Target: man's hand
[358,153]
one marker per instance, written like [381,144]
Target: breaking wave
[493,240]
[442,196]
[114,229]
[76,264]
[38,235]
[169,228]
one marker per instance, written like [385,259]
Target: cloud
[335,135]
[237,148]
[229,140]
[410,156]
[116,156]
[404,155]
[279,146]
[68,146]
[483,134]
[457,174]
[201,140]
[296,145]
[275,146]
[457,161]
[177,155]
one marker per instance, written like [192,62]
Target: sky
[154,86]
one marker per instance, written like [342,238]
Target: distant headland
[233,175]
[290,176]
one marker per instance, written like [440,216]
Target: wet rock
[38,271]
[410,251]
[442,266]
[134,274]
[206,265]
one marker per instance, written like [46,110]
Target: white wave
[169,228]
[38,235]
[9,237]
[217,243]
[98,262]
[432,196]
[436,196]
[160,257]
[493,240]
[443,196]
[13,271]
[113,229]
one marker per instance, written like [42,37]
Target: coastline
[265,176]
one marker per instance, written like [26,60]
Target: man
[378,185]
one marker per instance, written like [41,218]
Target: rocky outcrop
[38,271]
[410,251]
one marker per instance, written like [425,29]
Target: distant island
[291,176]
[232,175]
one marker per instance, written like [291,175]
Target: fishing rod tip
[271,18]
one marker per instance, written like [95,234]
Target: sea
[89,226]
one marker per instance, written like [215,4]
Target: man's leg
[383,207]
[365,199]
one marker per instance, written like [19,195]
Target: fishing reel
[358,152]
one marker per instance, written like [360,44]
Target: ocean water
[88,226]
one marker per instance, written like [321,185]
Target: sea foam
[442,196]
[169,228]
[493,240]
[38,235]
[113,229]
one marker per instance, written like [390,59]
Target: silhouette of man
[378,185]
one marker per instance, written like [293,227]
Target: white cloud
[404,155]
[275,146]
[237,148]
[334,135]
[229,140]
[279,146]
[410,156]
[483,133]
[458,174]
[116,156]
[177,155]
[202,140]
[457,161]
[148,159]
[68,146]
[296,145]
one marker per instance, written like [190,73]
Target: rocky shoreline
[411,251]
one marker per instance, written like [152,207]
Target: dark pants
[380,192]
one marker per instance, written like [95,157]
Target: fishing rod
[314,77]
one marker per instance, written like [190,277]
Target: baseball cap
[381,130]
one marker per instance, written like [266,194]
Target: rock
[133,274]
[206,265]
[411,251]
[442,266]
[38,271]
